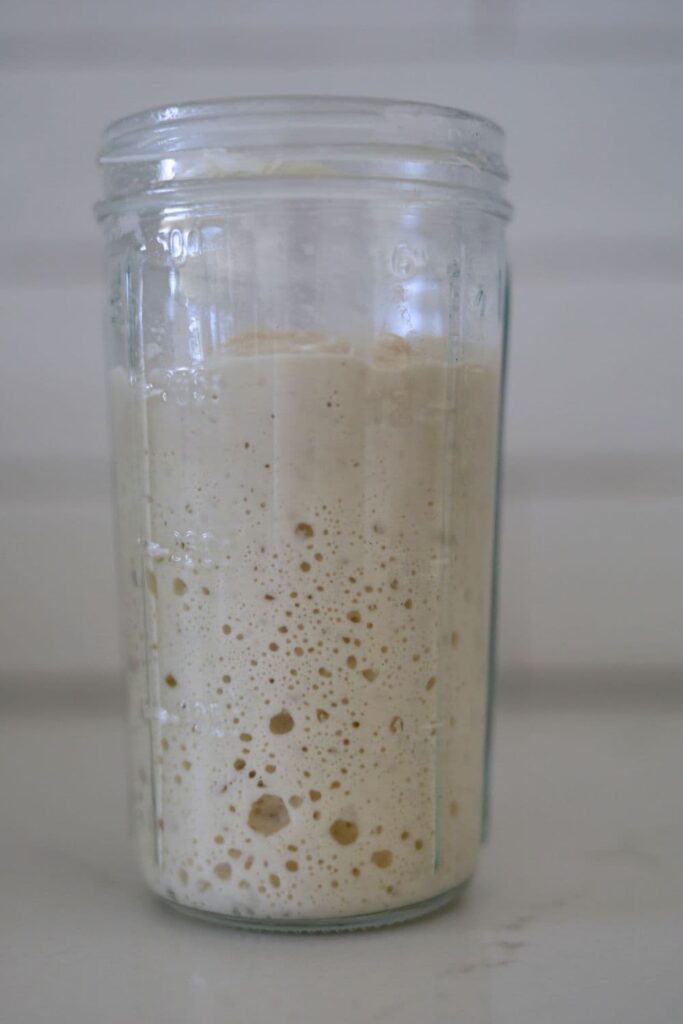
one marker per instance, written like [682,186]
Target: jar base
[312,925]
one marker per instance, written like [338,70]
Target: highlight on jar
[306,336]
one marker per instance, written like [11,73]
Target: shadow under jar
[306,335]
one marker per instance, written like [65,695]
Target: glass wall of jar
[306,337]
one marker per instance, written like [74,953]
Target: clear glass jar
[306,335]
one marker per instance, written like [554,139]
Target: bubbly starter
[307,605]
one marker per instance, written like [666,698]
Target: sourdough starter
[307,594]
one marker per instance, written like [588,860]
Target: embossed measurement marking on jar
[180,243]
[183,386]
[202,717]
[190,547]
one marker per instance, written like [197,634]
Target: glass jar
[306,334]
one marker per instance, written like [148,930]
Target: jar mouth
[302,137]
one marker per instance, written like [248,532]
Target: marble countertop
[576,913]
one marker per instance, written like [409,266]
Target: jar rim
[436,119]
[302,137]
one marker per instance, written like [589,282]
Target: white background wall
[590,94]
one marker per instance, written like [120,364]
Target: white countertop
[576,913]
